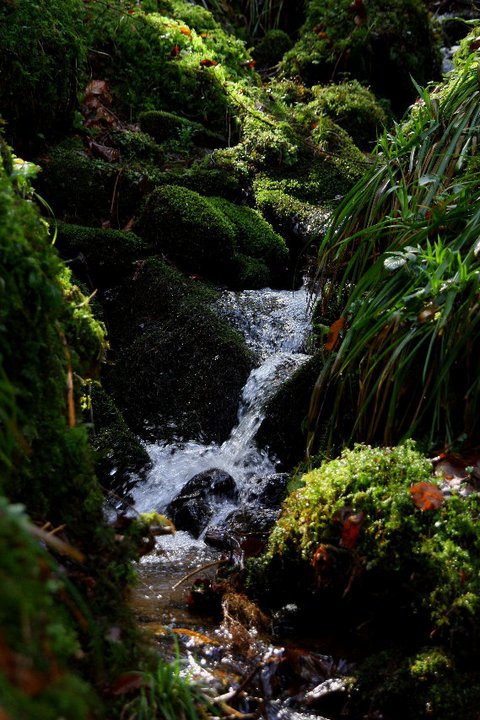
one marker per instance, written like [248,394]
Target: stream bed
[220,651]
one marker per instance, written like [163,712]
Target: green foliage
[166,126]
[39,638]
[168,694]
[367,42]
[404,245]
[41,55]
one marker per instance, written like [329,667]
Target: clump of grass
[403,247]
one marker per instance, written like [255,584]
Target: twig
[197,570]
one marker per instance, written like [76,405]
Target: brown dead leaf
[427,496]
[104,151]
[128,682]
[333,334]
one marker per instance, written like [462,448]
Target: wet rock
[191,514]
[193,507]
[269,490]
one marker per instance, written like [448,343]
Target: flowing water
[276,326]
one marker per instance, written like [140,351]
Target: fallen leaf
[185,30]
[127,682]
[333,333]
[206,62]
[427,496]
[351,530]
[104,151]
[175,51]
[321,557]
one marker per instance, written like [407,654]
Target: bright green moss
[188,229]
[352,107]
[420,564]
[256,238]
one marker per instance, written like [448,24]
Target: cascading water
[275,324]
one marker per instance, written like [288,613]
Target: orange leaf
[351,530]
[427,496]
[208,63]
[321,557]
[333,333]
[185,30]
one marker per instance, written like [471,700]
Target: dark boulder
[193,507]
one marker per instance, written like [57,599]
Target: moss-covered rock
[41,55]
[104,192]
[378,42]
[256,239]
[354,108]
[374,540]
[99,255]
[177,60]
[189,230]
[284,428]
[270,49]
[179,368]
[163,126]
[119,454]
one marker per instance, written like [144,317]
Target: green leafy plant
[403,246]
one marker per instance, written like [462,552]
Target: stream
[276,326]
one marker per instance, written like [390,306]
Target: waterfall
[275,324]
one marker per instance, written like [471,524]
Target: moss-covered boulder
[256,240]
[284,427]
[373,546]
[41,54]
[270,49]
[179,368]
[119,455]
[176,58]
[88,190]
[189,230]
[164,126]
[98,255]
[378,42]
[353,107]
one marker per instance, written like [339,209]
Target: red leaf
[333,333]
[427,496]
[321,557]
[175,51]
[351,530]
[206,62]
